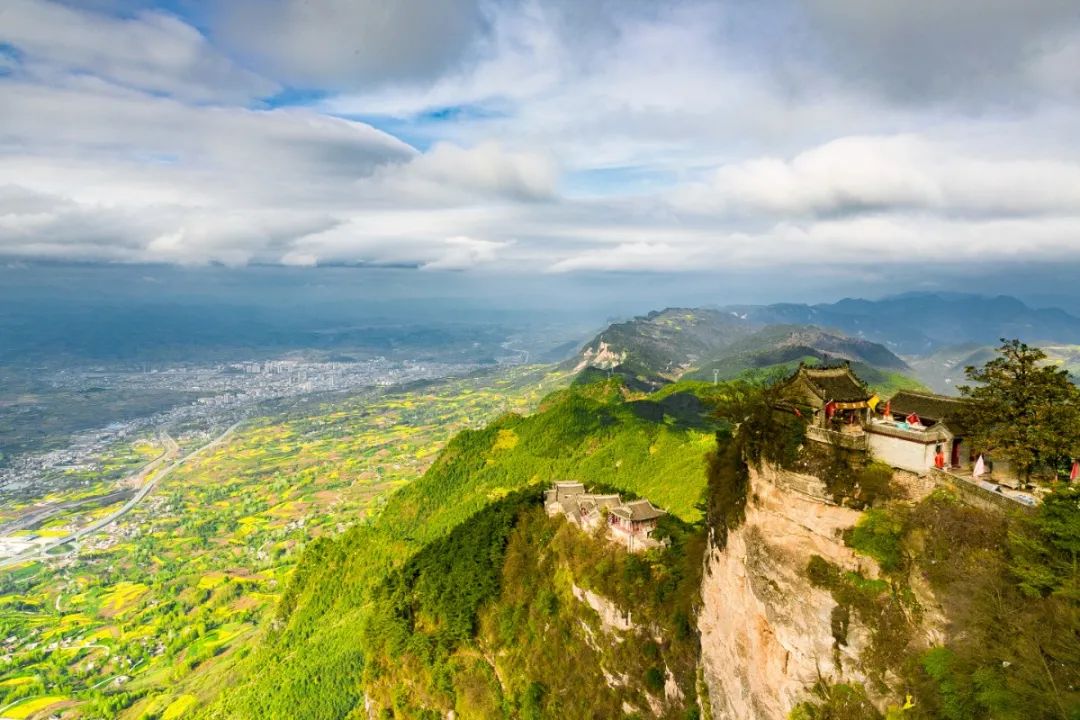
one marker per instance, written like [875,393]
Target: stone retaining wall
[979,496]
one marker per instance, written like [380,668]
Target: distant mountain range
[943,370]
[939,334]
[921,323]
[679,343]
[780,348]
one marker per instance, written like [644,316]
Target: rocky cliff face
[766,632]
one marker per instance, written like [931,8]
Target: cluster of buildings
[631,522]
[921,433]
[913,431]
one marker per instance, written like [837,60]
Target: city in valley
[106,466]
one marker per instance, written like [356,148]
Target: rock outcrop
[766,632]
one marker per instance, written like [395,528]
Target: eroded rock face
[766,632]
[611,617]
[602,356]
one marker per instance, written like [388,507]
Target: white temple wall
[899,453]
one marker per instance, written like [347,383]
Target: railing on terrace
[923,435]
[849,441]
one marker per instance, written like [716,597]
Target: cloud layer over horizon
[541,136]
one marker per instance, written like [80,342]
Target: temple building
[834,395]
[835,403]
[631,522]
[912,431]
[634,519]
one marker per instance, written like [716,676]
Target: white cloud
[1053,71]
[521,57]
[553,136]
[882,242]
[877,174]
[636,256]
[973,53]
[350,43]
[151,51]
[463,253]
[197,184]
[449,173]
[151,179]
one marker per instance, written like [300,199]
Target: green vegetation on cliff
[410,589]
[1009,589]
[483,620]
[1000,592]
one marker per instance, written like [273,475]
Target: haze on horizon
[924,144]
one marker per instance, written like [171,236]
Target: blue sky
[825,136]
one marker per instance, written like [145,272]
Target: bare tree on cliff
[1024,410]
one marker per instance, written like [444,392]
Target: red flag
[830,409]
[913,419]
[888,409]
[1075,474]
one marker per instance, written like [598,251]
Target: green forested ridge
[787,345]
[351,596]
[460,593]
[484,620]
[661,343]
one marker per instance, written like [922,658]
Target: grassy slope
[593,433]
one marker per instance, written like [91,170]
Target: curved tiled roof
[637,510]
[568,498]
[834,383]
[937,408]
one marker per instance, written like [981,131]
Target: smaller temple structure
[632,522]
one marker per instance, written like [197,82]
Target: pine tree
[1024,410]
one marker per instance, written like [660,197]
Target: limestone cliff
[766,631]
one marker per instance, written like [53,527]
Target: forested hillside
[665,343]
[384,591]
[462,595]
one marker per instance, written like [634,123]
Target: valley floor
[145,615]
